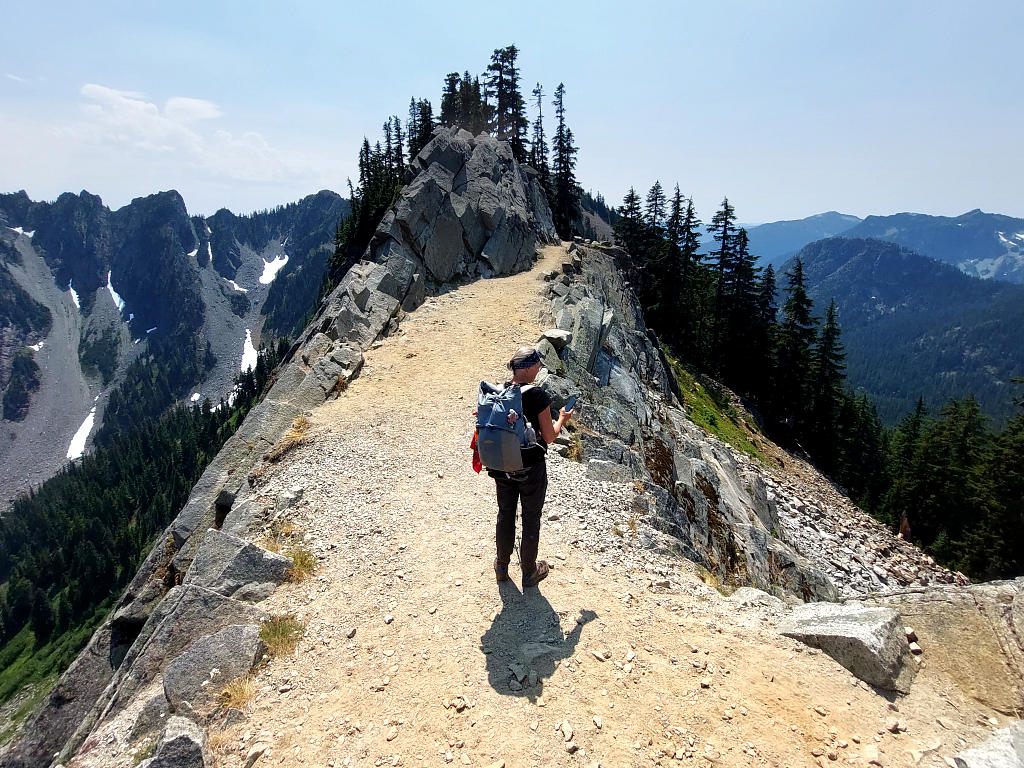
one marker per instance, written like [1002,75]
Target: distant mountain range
[85,291]
[985,245]
[914,326]
[778,241]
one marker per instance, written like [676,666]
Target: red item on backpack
[477,464]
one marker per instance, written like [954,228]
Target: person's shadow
[525,642]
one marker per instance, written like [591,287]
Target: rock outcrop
[986,621]
[870,642]
[1004,749]
[706,503]
[468,210]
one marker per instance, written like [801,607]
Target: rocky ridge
[467,196]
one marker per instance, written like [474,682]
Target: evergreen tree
[502,81]
[742,343]
[539,147]
[42,617]
[655,208]
[629,229]
[565,206]
[828,373]
[451,100]
[723,231]
[797,333]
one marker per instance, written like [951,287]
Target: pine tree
[539,146]
[565,206]
[828,368]
[42,617]
[452,110]
[509,117]
[655,208]
[797,333]
[723,231]
[629,229]
[741,345]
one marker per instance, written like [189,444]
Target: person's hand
[565,415]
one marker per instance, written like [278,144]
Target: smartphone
[570,404]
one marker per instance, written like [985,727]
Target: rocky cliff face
[745,524]
[468,210]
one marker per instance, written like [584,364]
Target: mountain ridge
[117,276]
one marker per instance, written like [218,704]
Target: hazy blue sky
[789,108]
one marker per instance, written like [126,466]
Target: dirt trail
[643,675]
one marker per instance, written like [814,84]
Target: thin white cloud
[124,121]
[15,78]
[186,110]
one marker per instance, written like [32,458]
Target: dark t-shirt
[536,406]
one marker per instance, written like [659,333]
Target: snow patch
[21,231]
[36,347]
[77,447]
[151,330]
[114,294]
[271,268]
[237,287]
[131,316]
[196,397]
[248,352]
[1004,238]
[209,248]
[74,295]
[192,254]
[1019,235]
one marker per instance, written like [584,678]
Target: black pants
[528,488]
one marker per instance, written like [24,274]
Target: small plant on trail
[281,634]
[303,563]
[575,452]
[238,692]
[144,752]
[294,437]
[276,537]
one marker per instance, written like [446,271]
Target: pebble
[388,619]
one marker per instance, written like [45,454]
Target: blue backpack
[502,429]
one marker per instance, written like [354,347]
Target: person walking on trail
[529,485]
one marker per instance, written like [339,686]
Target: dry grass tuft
[575,452]
[281,531]
[281,634]
[304,563]
[294,437]
[238,692]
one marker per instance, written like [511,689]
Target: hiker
[531,483]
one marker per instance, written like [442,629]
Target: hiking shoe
[540,572]
[500,571]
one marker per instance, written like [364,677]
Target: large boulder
[210,663]
[183,744]
[870,642]
[1003,749]
[187,612]
[237,568]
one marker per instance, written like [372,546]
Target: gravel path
[620,658]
